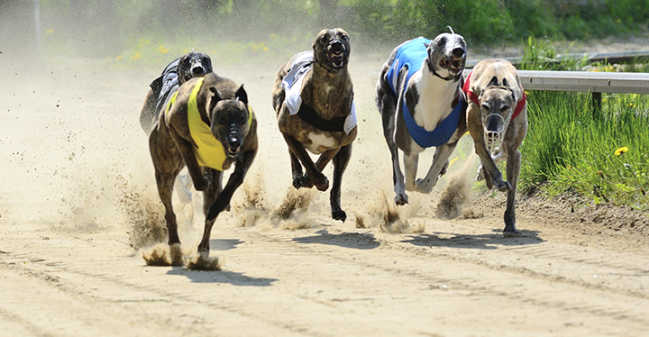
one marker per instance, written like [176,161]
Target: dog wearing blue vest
[419,96]
[313,97]
[207,125]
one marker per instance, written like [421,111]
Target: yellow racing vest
[209,151]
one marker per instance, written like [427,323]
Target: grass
[605,159]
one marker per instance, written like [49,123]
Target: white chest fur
[321,142]
[435,98]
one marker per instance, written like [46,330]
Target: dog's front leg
[410,163]
[340,164]
[475,128]
[440,160]
[223,199]
[317,178]
[187,152]
[513,171]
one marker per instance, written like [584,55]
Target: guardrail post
[597,105]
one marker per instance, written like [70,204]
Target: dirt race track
[78,192]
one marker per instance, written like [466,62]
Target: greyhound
[161,89]
[313,97]
[497,121]
[207,126]
[422,105]
[173,76]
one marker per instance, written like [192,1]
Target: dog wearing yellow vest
[207,126]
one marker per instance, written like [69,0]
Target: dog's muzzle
[198,70]
[233,146]
[494,132]
[454,63]
[337,51]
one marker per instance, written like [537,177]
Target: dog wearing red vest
[497,120]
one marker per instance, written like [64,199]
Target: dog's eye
[504,108]
[485,106]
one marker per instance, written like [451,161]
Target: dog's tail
[451,29]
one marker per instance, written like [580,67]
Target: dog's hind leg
[340,164]
[315,176]
[167,163]
[388,111]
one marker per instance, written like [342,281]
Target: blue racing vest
[412,55]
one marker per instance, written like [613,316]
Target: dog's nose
[337,47]
[235,143]
[458,52]
[198,70]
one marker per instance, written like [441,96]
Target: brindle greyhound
[421,103]
[313,98]
[208,126]
[497,120]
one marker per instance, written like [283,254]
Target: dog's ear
[216,97]
[241,95]
[208,64]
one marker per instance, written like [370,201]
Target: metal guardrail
[584,81]
[619,57]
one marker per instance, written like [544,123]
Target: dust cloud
[76,159]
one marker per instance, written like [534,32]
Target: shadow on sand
[346,240]
[474,241]
[229,277]
[224,244]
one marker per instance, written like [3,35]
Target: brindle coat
[224,106]
[496,83]
[328,89]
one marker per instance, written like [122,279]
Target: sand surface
[78,208]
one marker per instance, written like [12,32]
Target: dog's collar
[309,115]
[474,98]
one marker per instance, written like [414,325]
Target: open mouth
[232,153]
[337,61]
[454,66]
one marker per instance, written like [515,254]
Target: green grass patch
[605,158]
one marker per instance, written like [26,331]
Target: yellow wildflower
[621,151]
[49,31]
[136,56]
[163,50]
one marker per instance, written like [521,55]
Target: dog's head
[331,49]
[229,119]
[447,55]
[193,65]
[497,104]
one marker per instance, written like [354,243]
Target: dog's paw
[302,181]
[401,199]
[424,185]
[502,186]
[339,215]
[320,181]
[480,176]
